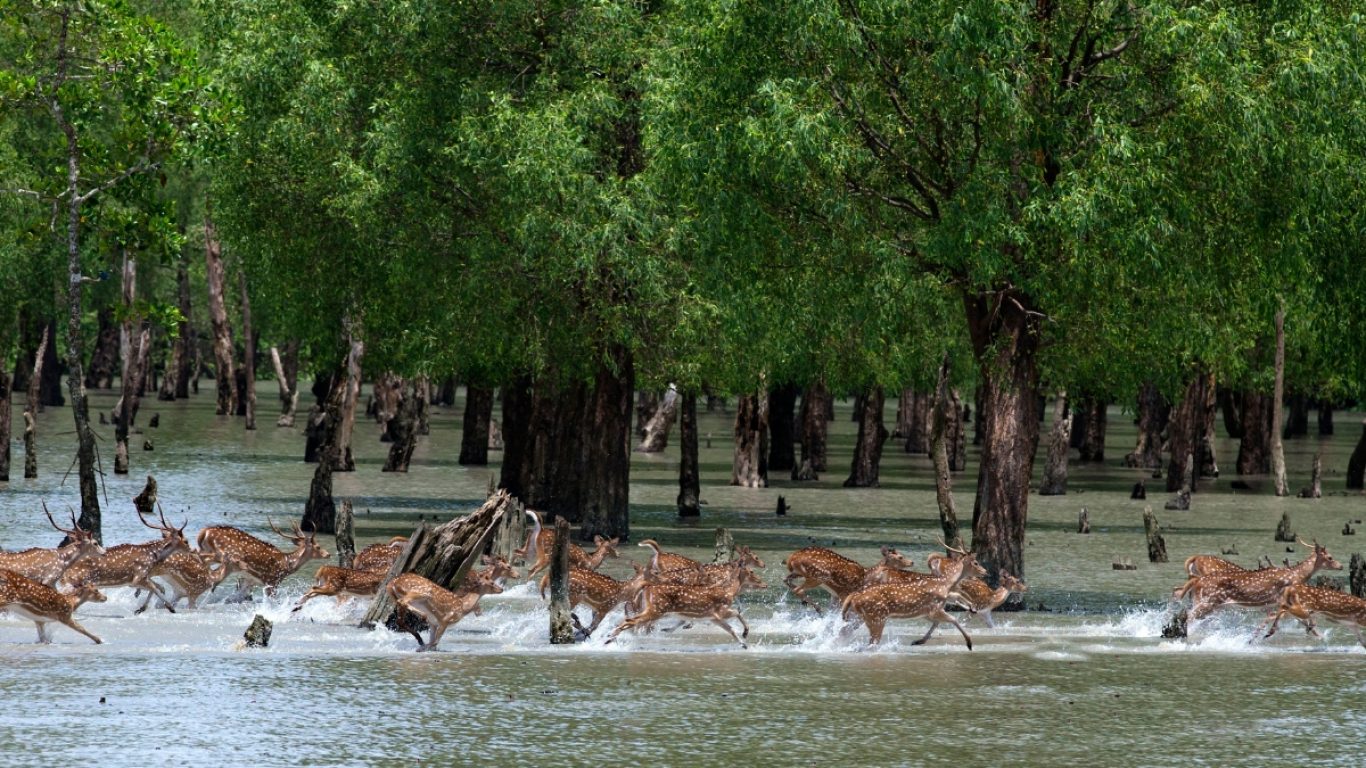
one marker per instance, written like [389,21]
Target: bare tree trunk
[1055,472]
[1254,449]
[1153,415]
[6,419]
[517,437]
[130,352]
[1277,450]
[1231,403]
[1092,448]
[647,402]
[1187,431]
[188,343]
[918,436]
[814,430]
[868,446]
[218,317]
[1209,463]
[403,427]
[689,484]
[1356,465]
[320,510]
[749,468]
[1297,424]
[474,438]
[905,414]
[656,437]
[939,453]
[422,390]
[31,407]
[561,626]
[955,435]
[445,394]
[782,401]
[249,354]
[105,356]
[605,449]
[1325,418]
[344,460]
[289,385]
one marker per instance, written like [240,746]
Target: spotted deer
[603,593]
[1304,602]
[821,567]
[974,595]
[714,603]
[578,558]
[876,604]
[439,606]
[46,566]
[1209,565]
[130,565]
[1252,589]
[44,605]
[186,574]
[378,557]
[236,551]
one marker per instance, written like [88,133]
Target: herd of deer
[48,585]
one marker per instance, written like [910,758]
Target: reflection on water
[1087,681]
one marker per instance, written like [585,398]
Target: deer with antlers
[714,603]
[925,599]
[439,606]
[974,595]
[46,566]
[821,567]
[130,565]
[1304,602]
[1252,589]
[44,605]
[236,551]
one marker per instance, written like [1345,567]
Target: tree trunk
[1153,414]
[218,317]
[49,376]
[1325,418]
[6,420]
[868,446]
[320,511]
[1187,432]
[656,437]
[939,453]
[1005,337]
[249,354]
[979,424]
[1209,464]
[955,436]
[517,440]
[1356,465]
[561,625]
[32,404]
[918,436]
[605,437]
[106,354]
[287,382]
[647,402]
[422,391]
[1298,423]
[1254,450]
[1231,403]
[782,402]
[175,383]
[1055,472]
[1315,488]
[474,437]
[403,427]
[689,483]
[749,467]
[345,461]
[445,394]
[130,352]
[1092,448]
[905,414]
[1277,397]
[814,429]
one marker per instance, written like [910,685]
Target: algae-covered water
[1082,678]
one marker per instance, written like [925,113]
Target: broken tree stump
[1283,532]
[146,502]
[725,546]
[1315,488]
[258,634]
[443,554]
[154,422]
[1084,521]
[1356,575]
[561,622]
[346,534]
[782,507]
[1175,628]
[1140,490]
[1157,546]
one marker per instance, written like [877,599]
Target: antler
[271,523]
[54,522]
[143,520]
[940,539]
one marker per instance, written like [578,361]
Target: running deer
[876,604]
[130,565]
[1252,589]
[342,583]
[1209,565]
[974,595]
[46,566]
[43,605]
[663,562]
[578,558]
[378,557]
[603,593]
[186,574]
[236,551]
[821,567]
[438,605]
[1304,601]
[714,603]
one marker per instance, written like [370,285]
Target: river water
[1083,678]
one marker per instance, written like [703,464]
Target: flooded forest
[872,382]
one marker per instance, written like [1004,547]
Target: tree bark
[1209,464]
[656,436]
[689,483]
[561,625]
[939,454]
[1231,403]
[1254,449]
[918,436]
[1277,397]
[517,443]
[1055,472]
[1005,338]
[814,430]
[1153,414]
[605,437]
[32,404]
[979,424]
[1356,465]
[6,419]
[320,511]
[647,402]
[218,317]
[287,379]
[1092,448]
[130,352]
[445,394]
[105,356]
[868,446]
[1325,418]
[346,427]
[905,414]
[1187,433]
[422,391]
[782,402]
[403,427]
[749,468]
[1297,425]
[474,437]
[249,353]
[955,435]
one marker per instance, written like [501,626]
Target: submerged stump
[1157,546]
[1283,531]
[561,619]
[258,634]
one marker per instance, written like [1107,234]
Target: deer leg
[42,632]
[401,618]
[309,595]
[153,589]
[875,630]
[934,623]
[942,616]
[800,590]
[438,629]
[70,622]
[723,625]
[1275,622]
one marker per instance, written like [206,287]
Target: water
[1089,680]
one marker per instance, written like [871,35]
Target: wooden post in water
[346,534]
[725,547]
[146,502]
[1157,546]
[1283,532]
[561,625]
[1357,575]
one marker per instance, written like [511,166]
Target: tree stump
[1175,628]
[146,502]
[725,546]
[1140,491]
[258,634]
[1157,546]
[1357,575]
[154,422]
[689,479]
[346,534]
[781,511]
[1315,488]
[1283,532]
[1083,521]
[656,434]
[1055,470]
[561,622]
[30,448]
[1182,501]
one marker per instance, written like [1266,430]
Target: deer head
[83,540]
[894,559]
[173,538]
